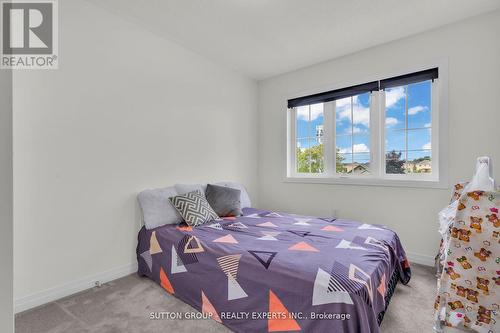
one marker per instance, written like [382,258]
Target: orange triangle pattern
[381,287]
[279,322]
[207,307]
[154,246]
[165,282]
[267,224]
[226,239]
[185,228]
[332,228]
[303,246]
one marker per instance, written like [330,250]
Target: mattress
[270,271]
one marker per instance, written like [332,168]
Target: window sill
[366,181]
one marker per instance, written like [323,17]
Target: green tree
[311,160]
[339,159]
[394,163]
[421,159]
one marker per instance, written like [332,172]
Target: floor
[124,305]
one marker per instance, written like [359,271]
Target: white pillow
[186,188]
[245,198]
[157,210]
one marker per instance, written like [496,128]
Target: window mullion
[435,126]
[352,133]
[309,139]
[375,129]
[293,169]
[406,125]
[382,134]
[329,138]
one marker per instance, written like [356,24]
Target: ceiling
[263,38]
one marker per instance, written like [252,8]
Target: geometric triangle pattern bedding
[264,257]
[288,273]
[177,264]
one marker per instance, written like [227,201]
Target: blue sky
[352,135]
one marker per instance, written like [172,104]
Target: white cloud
[392,96]
[361,114]
[316,112]
[427,146]
[358,148]
[355,130]
[428,125]
[390,121]
[416,109]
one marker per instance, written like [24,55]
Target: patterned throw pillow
[194,208]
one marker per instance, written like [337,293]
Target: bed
[272,272]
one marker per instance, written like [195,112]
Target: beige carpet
[124,305]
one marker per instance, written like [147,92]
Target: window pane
[361,144]
[419,162]
[361,113]
[361,165]
[343,116]
[344,143]
[395,108]
[395,140]
[343,159]
[419,139]
[309,140]
[317,122]
[408,128]
[395,162]
[302,129]
[317,156]
[301,156]
[419,105]
[352,133]
[361,154]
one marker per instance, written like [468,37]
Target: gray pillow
[225,201]
[245,198]
[157,209]
[194,208]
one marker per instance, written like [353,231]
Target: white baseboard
[421,259]
[57,292]
[52,294]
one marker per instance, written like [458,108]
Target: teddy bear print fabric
[469,287]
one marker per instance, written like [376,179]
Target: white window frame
[378,177]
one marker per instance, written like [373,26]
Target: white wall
[473,53]
[6,314]
[126,110]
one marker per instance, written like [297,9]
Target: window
[309,139]
[408,125]
[385,130]
[352,135]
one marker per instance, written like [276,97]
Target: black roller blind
[429,74]
[332,95]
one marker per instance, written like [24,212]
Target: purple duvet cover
[275,272]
